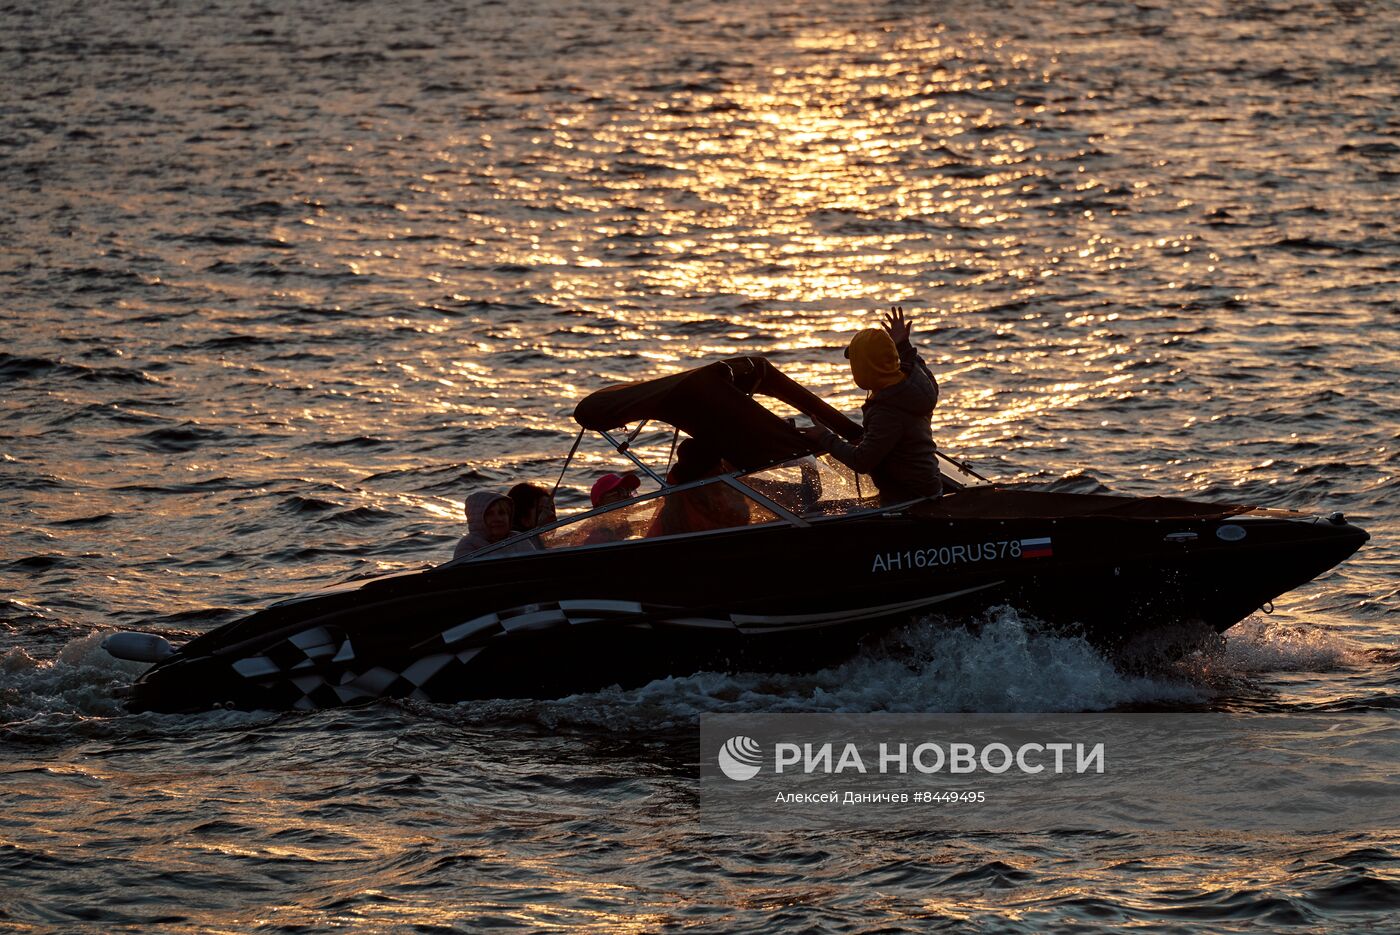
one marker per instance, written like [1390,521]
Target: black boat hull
[770,598]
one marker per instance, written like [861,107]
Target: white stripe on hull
[806,621]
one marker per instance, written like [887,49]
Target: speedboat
[804,566]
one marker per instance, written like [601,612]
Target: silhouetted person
[896,448]
[534,507]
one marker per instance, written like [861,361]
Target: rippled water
[279,287]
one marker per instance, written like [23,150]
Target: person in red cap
[612,526]
[612,488]
[896,449]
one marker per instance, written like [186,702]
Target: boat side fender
[138,647]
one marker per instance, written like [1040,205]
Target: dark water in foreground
[278,288]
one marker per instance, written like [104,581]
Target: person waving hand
[896,448]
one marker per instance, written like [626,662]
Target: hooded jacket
[477,505]
[875,361]
[897,448]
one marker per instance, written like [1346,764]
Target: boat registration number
[943,555]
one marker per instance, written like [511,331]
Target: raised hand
[896,325]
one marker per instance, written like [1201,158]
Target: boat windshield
[708,506]
[823,486]
[809,487]
[957,475]
[815,486]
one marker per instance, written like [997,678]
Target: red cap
[610,482]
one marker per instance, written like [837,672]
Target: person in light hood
[897,448]
[489,517]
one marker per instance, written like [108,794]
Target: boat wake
[1003,661]
[79,691]
[82,680]
[1259,644]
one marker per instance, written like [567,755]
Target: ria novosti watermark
[1042,772]
[741,758]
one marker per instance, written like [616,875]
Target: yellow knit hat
[874,360]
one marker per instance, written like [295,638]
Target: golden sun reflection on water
[765,196]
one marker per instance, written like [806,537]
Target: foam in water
[1006,665]
[43,699]
[80,680]
[1227,663]
[1258,644]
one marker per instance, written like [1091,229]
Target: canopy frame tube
[625,448]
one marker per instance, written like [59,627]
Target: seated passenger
[613,488]
[534,507]
[897,448]
[488,521]
[610,488]
[694,460]
[715,506]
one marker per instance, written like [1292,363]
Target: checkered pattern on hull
[318,668]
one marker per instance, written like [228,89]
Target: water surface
[278,288]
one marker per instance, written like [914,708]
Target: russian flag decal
[1036,548]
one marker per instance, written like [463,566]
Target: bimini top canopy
[715,404]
